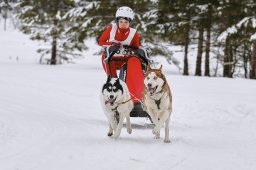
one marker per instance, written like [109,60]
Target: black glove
[115,47]
[119,45]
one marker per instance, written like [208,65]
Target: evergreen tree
[204,14]
[65,24]
[82,23]
[89,18]
[5,7]
[237,38]
[43,20]
[175,20]
[231,13]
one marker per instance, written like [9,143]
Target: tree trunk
[245,58]
[228,60]
[208,43]
[187,30]
[54,50]
[226,53]
[55,5]
[185,69]
[200,50]
[253,62]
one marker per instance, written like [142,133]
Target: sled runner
[126,51]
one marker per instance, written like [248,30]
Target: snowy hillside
[51,119]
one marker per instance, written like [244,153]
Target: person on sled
[116,35]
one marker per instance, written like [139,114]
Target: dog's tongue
[152,90]
[109,101]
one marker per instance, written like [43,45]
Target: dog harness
[157,102]
[117,114]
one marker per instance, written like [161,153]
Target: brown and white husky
[157,100]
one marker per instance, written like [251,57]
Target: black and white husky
[117,105]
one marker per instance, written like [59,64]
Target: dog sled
[126,50]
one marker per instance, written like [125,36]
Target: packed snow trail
[51,119]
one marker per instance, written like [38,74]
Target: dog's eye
[109,88]
[115,89]
[155,78]
[147,78]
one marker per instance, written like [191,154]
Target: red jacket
[121,35]
[134,73]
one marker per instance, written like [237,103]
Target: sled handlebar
[126,50]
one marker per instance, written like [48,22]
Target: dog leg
[128,125]
[112,122]
[155,121]
[153,118]
[119,126]
[110,131]
[156,133]
[160,121]
[155,129]
[167,138]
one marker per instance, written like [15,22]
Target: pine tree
[239,26]
[42,19]
[5,7]
[176,19]
[203,22]
[231,13]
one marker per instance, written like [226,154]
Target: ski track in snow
[51,119]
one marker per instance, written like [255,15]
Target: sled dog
[157,100]
[117,105]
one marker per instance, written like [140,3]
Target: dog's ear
[148,67]
[161,67]
[109,78]
[117,80]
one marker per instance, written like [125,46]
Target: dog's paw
[116,135]
[110,134]
[157,135]
[167,141]
[155,131]
[129,130]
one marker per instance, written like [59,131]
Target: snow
[253,37]
[234,29]
[223,36]
[51,119]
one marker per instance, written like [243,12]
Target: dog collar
[115,109]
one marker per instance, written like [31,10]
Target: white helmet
[125,12]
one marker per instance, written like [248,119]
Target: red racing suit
[134,73]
